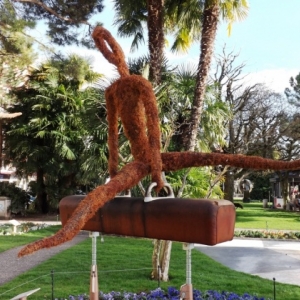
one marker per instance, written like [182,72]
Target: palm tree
[130,16]
[155,38]
[175,97]
[43,135]
[230,10]
[188,19]
[47,138]
[180,19]
[179,13]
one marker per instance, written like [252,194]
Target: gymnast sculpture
[131,98]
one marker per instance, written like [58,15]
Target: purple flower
[171,294]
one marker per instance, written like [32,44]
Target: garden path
[12,266]
[279,259]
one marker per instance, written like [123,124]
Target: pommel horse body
[190,221]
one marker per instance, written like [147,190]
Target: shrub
[267,234]
[19,198]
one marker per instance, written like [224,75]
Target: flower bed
[171,293]
[8,229]
[268,234]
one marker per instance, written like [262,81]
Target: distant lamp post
[5,115]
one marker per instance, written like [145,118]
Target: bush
[268,234]
[261,184]
[19,198]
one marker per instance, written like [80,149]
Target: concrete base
[186,291]
[94,289]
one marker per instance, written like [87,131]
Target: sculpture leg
[94,290]
[186,290]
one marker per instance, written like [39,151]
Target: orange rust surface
[185,220]
[130,98]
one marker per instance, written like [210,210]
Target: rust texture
[202,221]
[130,98]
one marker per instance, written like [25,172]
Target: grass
[8,242]
[253,216]
[124,264]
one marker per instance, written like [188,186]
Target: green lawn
[11,241]
[124,264]
[253,216]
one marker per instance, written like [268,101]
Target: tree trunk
[161,260]
[229,185]
[155,259]
[166,248]
[155,38]
[41,197]
[285,189]
[208,34]
[229,177]
[156,46]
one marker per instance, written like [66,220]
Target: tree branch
[52,11]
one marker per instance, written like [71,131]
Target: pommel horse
[201,221]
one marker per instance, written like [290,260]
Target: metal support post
[94,289]
[186,290]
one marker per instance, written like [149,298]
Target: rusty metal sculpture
[134,94]
[132,99]
[204,222]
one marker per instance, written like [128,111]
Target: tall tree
[156,38]
[209,27]
[293,93]
[48,137]
[16,53]
[161,249]
[213,9]
[288,148]
[63,18]
[183,17]
[181,20]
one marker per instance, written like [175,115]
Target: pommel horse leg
[186,290]
[94,289]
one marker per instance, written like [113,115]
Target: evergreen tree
[63,18]
[16,52]
[293,93]
[48,138]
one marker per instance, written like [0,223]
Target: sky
[267,42]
